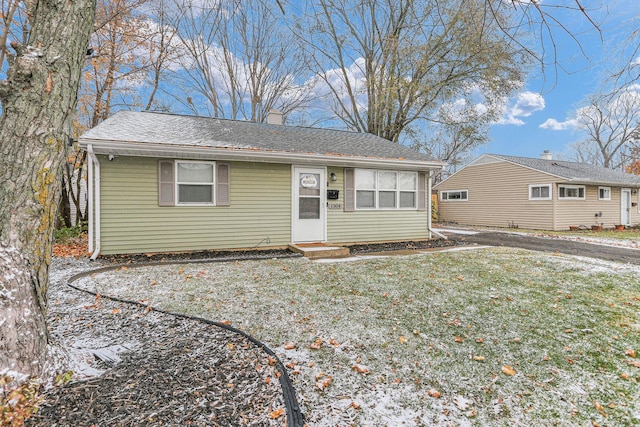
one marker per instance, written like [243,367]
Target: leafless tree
[393,67]
[611,123]
[239,59]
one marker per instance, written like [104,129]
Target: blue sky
[553,97]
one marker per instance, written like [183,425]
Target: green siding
[132,221]
[371,226]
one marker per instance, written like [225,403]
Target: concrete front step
[316,250]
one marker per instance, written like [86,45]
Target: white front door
[625,206]
[309,205]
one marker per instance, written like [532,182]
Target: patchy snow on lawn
[493,336]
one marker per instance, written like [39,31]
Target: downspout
[429,223]
[94,203]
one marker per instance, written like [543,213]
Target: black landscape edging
[295,417]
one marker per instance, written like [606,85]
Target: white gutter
[247,154]
[94,198]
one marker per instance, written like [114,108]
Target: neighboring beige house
[507,191]
[164,183]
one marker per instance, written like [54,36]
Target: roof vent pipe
[274,117]
[546,155]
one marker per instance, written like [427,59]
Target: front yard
[475,337]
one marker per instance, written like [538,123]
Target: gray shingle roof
[575,172]
[177,130]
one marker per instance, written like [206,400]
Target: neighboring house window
[375,189]
[461,195]
[571,191]
[540,192]
[184,182]
[604,193]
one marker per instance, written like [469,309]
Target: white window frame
[377,190]
[608,193]
[572,187]
[212,184]
[532,186]
[444,195]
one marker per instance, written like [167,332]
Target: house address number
[335,205]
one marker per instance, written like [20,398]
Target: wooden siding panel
[133,222]
[498,196]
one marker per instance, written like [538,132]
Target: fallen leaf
[635,363]
[458,339]
[289,346]
[461,278]
[597,406]
[403,340]
[230,345]
[323,383]
[334,343]
[115,311]
[361,369]
[631,353]
[315,345]
[624,376]
[478,358]
[276,414]
[479,340]
[354,405]
[434,393]
[508,370]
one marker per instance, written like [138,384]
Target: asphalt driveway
[569,247]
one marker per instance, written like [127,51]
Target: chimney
[546,155]
[274,117]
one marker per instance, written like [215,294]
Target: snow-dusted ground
[426,339]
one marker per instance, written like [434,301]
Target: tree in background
[132,49]
[238,59]
[611,125]
[399,68]
[38,100]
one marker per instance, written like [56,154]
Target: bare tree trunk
[38,99]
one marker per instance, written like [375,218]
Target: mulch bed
[173,371]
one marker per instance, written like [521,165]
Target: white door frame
[318,231]
[625,210]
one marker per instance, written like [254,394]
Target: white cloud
[525,105]
[553,124]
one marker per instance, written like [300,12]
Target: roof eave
[602,183]
[122,148]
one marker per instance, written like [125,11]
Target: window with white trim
[540,192]
[459,195]
[604,193]
[380,189]
[571,192]
[193,183]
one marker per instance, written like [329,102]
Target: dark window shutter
[422,191]
[166,184]
[349,190]
[223,178]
